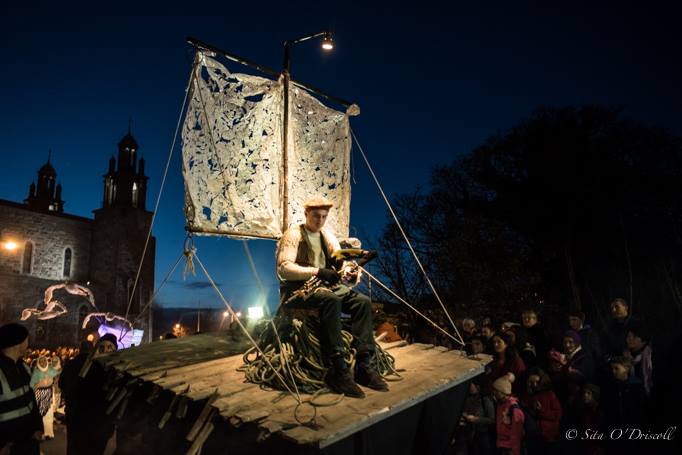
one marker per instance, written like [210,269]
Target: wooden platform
[203,366]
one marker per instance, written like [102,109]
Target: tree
[572,207]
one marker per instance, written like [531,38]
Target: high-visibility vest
[10,394]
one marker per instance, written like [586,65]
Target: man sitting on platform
[305,251]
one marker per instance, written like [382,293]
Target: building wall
[105,257]
[50,234]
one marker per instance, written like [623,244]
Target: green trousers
[331,305]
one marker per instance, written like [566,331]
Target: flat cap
[318,202]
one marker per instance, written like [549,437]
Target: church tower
[120,233]
[46,196]
[125,184]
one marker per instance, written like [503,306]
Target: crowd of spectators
[577,382]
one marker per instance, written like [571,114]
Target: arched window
[67,262]
[27,262]
[135,195]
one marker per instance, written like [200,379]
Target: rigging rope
[390,291]
[407,240]
[163,282]
[241,326]
[163,182]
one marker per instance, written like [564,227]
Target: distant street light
[255,312]
[226,314]
[9,245]
[177,326]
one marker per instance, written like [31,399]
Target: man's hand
[471,418]
[328,275]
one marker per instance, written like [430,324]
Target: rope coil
[296,358]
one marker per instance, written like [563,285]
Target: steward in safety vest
[21,426]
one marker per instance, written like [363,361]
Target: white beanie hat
[503,384]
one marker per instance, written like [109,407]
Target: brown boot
[340,381]
[368,377]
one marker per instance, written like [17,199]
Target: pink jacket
[509,425]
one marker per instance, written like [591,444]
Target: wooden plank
[378,406]
[197,369]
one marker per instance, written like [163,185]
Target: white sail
[232,155]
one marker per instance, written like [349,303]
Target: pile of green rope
[293,349]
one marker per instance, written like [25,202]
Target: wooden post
[285,149]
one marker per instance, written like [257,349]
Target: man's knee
[362,303]
[330,303]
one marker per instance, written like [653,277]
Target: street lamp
[327,44]
[9,245]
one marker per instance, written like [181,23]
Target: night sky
[432,83]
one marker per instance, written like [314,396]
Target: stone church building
[41,245]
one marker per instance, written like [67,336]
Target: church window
[27,262]
[67,262]
[135,193]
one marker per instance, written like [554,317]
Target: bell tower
[46,196]
[125,184]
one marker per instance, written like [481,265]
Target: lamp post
[327,44]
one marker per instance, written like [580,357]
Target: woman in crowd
[506,360]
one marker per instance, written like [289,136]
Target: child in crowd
[509,417]
[624,397]
[477,345]
[543,405]
[591,420]
[476,430]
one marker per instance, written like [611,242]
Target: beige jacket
[293,256]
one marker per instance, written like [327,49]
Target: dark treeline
[569,209]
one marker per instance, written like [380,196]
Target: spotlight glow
[255,312]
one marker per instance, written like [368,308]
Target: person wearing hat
[21,426]
[623,398]
[509,416]
[578,361]
[589,338]
[88,428]
[306,251]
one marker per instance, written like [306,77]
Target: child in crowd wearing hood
[542,404]
[509,416]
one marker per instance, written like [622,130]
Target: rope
[241,326]
[163,282]
[299,354]
[407,240]
[387,289]
[158,197]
